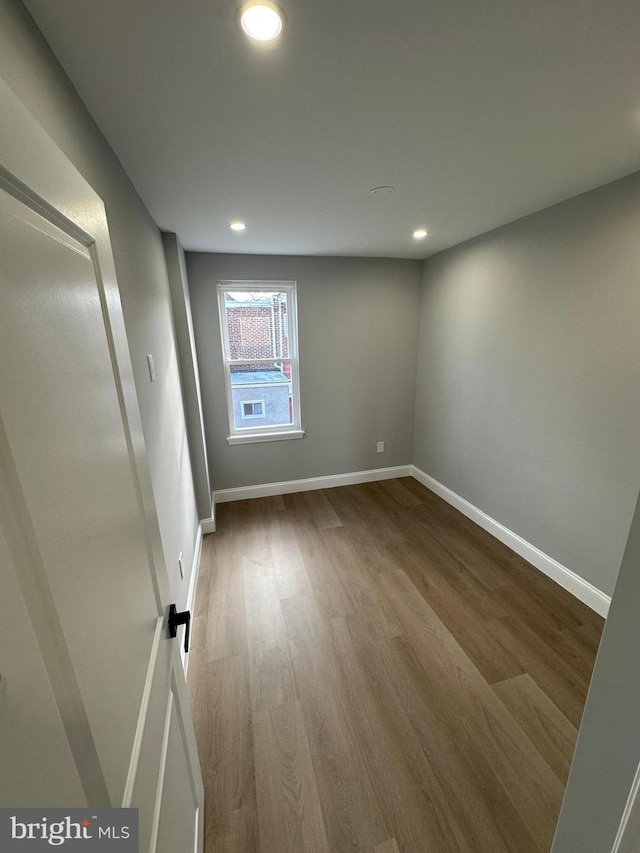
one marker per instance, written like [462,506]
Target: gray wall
[357,329]
[30,69]
[608,748]
[528,382]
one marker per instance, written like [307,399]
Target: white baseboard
[193,585]
[330,482]
[573,583]
[207,525]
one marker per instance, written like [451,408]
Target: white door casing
[81,567]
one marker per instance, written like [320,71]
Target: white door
[93,706]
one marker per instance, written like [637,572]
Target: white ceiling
[477,112]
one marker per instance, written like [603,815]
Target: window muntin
[258,322]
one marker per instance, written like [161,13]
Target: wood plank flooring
[370,671]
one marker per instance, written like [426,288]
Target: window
[253,409]
[259,329]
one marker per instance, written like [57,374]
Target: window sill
[253,438]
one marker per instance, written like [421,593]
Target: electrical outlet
[152,369]
[180,566]
[380,447]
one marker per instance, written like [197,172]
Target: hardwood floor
[370,671]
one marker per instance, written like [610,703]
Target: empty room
[319,418]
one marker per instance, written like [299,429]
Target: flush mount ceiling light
[261,20]
[382,192]
[237,226]
[420,234]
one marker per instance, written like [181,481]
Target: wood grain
[302,616]
[353,817]
[453,593]
[330,593]
[289,811]
[390,846]
[365,597]
[476,799]
[270,673]
[403,779]
[321,511]
[546,726]
[554,672]
[373,672]
[497,742]
[286,557]
[397,491]
[224,731]
[227,631]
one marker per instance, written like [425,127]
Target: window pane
[257,324]
[261,395]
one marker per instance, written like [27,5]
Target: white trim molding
[287,331]
[195,569]
[573,583]
[255,437]
[191,594]
[208,525]
[310,484]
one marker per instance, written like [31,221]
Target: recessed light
[261,20]
[237,226]
[420,234]
[382,192]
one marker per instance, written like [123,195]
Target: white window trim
[254,433]
[254,438]
[244,403]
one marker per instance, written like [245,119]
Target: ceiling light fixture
[237,226]
[382,192]
[420,234]
[261,20]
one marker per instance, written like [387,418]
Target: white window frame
[254,432]
[244,403]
